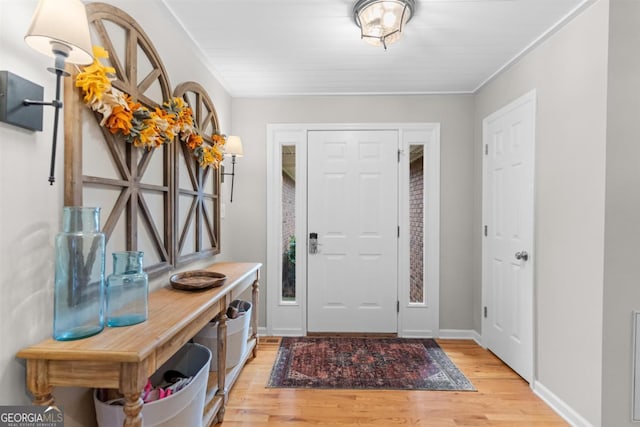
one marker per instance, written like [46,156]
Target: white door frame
[526,98]
[288,318]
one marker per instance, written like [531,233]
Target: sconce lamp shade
[61,25]
[381,22]
[233,147]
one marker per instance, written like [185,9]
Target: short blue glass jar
[127,290]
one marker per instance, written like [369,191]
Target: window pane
[416,223]
[288,223]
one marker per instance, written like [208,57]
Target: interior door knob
[522,255]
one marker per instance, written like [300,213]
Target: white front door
[353,210]
[509,138]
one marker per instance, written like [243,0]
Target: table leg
[132,381]
[45,399]
[255,293]
[38,382]
[222,358]
[133,410]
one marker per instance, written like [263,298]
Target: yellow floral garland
[139,125]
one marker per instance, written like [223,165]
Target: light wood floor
[502,399]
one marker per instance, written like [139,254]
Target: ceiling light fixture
[381,22]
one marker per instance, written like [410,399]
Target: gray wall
[569,73]
[247,215]
[622,230]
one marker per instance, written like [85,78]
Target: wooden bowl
[197,280]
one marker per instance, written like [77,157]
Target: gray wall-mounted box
[13,91]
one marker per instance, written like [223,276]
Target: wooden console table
[124,358]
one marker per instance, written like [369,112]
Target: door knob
[522,255]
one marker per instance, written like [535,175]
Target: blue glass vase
[127,290]
[79,275]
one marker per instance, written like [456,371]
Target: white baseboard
[410,333]
[263,332]
[461,334]
[559,406]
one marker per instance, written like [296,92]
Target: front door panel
[352,206]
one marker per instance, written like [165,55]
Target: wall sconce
[59,29]
[233,148]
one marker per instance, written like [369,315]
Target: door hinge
[399,151]
[398,232]
[397,306]
[485,311]
[486,149]
[486,230]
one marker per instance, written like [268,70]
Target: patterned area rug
[365,363]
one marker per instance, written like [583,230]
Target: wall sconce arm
[233,175]
[57,104]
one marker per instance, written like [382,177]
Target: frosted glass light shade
[233,146]
[61,24]
[382,21]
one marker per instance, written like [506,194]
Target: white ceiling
[305,47]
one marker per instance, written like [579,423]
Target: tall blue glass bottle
[127,290]
[79,275]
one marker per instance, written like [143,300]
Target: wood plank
[73,108]
[68,373]
[502,399]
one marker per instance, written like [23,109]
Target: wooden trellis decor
[155,200]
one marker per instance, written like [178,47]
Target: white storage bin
[184,408]
[237,335]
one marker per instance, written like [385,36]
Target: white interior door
[353,209]
[509,138]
